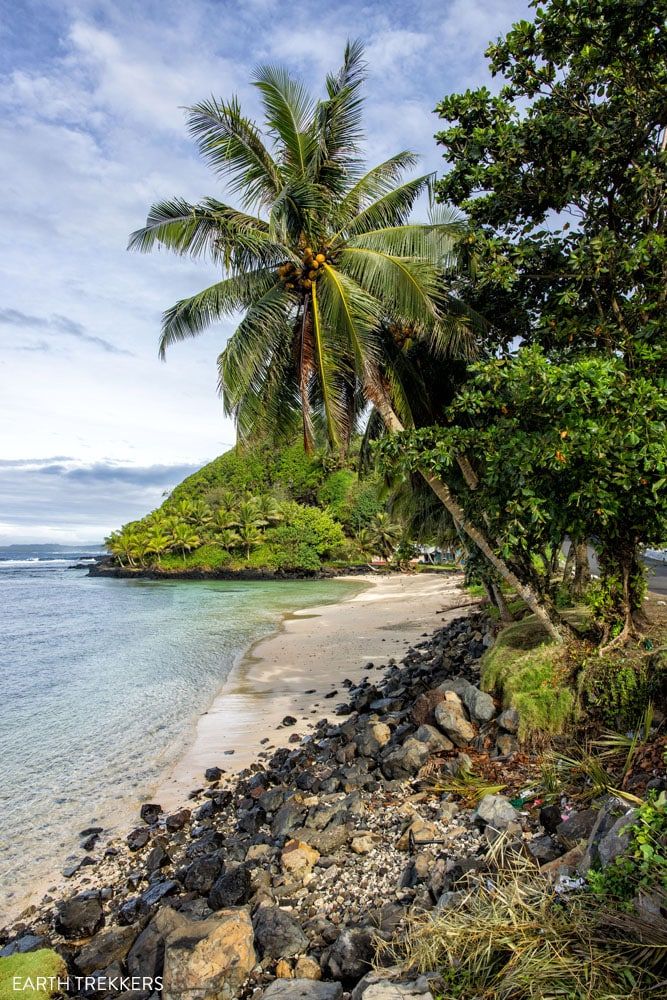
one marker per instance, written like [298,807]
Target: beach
[291,672]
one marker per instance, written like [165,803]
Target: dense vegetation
[262,508]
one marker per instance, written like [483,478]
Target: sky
[93,427]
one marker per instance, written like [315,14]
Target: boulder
[277,933]
[302,989]
[110,945]
[231,889]
[79,916]
[176,821]
[307,968]
[480,705]
[326,841]
[616,842]
[433,738]
[201,873]
[423,708]
[352,953]
[451,719]
[385,989]
[150,812]
[209,959]
[576,827]
[146,956]
[371,737]
[213,773]
[406,760]
[23,944]
[496,811]
[298,858]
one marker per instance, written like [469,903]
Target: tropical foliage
[321,251]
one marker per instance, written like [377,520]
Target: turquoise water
[102,681]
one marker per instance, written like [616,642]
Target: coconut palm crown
[321,252]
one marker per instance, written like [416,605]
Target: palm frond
[392,209]
[329,382]
[407,287]
[353,313]
[337,123]
[375,183]
[233,146]
[190,317]
[289,111]
[429,242]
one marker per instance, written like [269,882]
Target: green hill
[268,508]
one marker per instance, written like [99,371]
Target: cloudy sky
[93,428]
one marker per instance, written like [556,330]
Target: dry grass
[512,938]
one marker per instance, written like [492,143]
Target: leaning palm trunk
[450,501]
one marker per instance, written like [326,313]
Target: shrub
[207,557]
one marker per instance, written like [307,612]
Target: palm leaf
[289,111]
[233,146]
[337,123]
[375,183]
[406,286]
[189,317]
[392,209]
[334,408]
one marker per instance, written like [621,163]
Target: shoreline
[281,674]
[249,706]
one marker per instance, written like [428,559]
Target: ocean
[102,681]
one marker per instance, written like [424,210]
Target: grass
[28,967]
[530,675]
[511,937]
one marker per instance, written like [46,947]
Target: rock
[616,842]
[543,849]
[417,831]
[613,809]
[213,773]
[302,989]
[150,812]
[351,954]
[480,705]
[327,841]
[434,739]
[496,811]
[200,875]
[508,720]
[23,944]
[386,989]
[157,857]
[372,737]
[158,892]
[576,827]
[423,708]
[451,719]
[79,916]
[88,843]
[288,818]
[298,858]
[406,760]
[209,959]
[565,863]
[110,945]
[289,720]
[550,817]
[146,956]
[363,844]
[138,838]
[277,933]
[307,968]
[506,745]
[284,970]
[231,889]
[176,821]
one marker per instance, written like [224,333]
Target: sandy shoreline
[291,671]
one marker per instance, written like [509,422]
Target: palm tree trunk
[505,614]
[448,499]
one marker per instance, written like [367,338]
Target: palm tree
[184,538]
[158,540]
[226,538]
[269,510]
[249,536]
[385,535]
[319,255]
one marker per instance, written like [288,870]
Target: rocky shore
[288,877]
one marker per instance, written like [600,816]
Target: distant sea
[102,681]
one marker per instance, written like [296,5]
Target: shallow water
[102,681]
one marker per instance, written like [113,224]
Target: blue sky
[93,428]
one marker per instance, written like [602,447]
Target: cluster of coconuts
[302,278]
[403,336]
